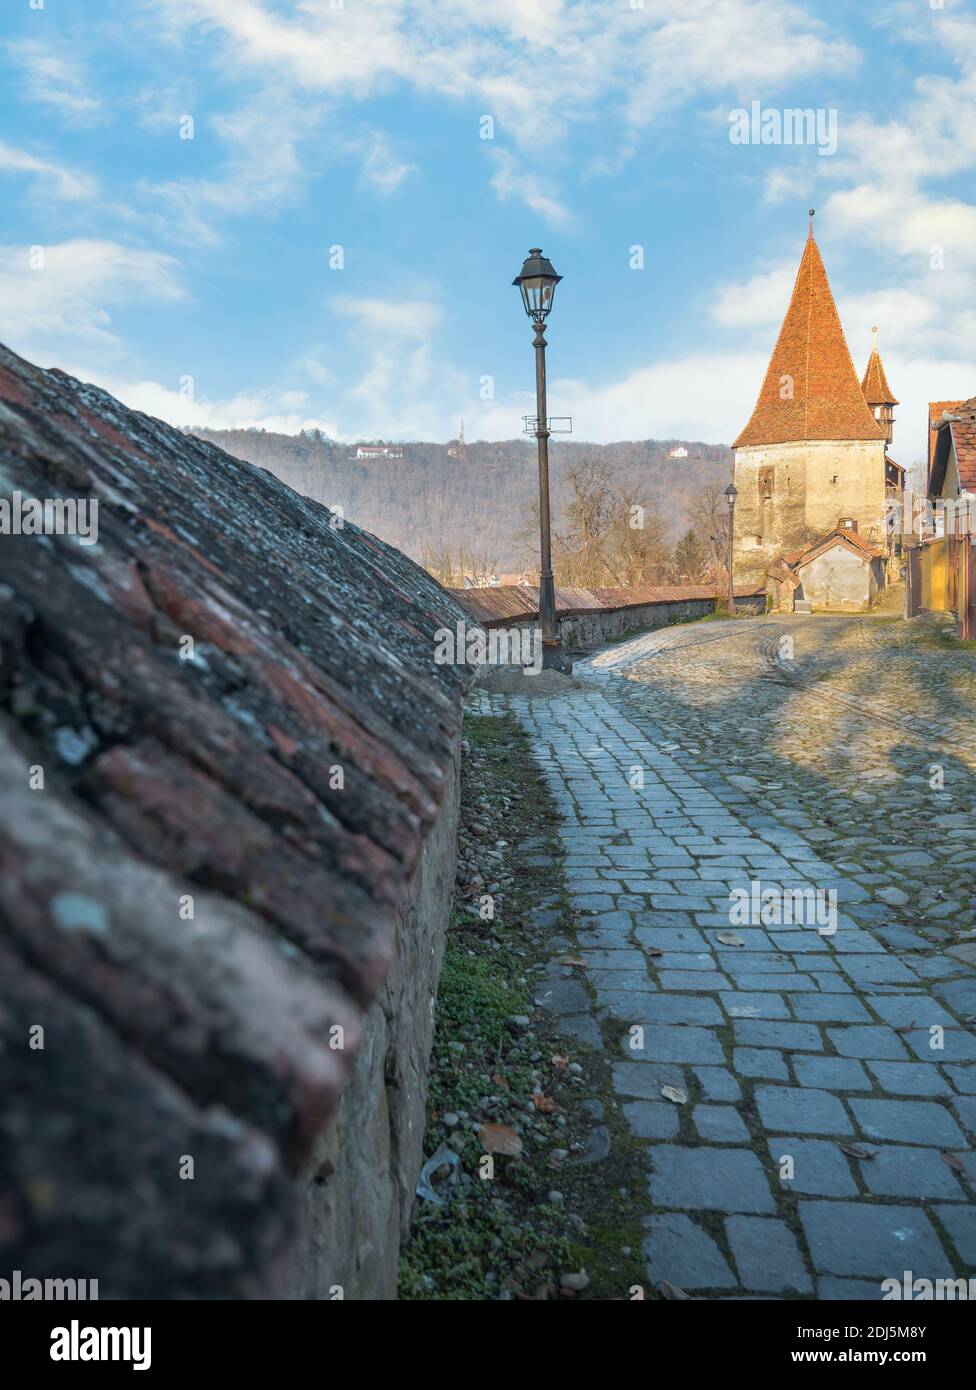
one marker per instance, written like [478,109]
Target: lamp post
[731,493]
[537,282]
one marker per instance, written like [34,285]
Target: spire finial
[874,332]
[812,212]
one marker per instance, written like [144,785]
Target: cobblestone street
[817,1132]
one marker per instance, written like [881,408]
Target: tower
[812,451]
[877,392]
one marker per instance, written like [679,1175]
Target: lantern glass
[537,284]
[731,493]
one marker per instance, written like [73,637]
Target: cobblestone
[806,770]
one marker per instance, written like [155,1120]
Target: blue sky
[192,277]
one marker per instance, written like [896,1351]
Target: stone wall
[594,627]
[358,1184]
[806,502]
[228,796]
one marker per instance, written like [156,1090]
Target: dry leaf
[906,1027]
[560,1063]
[653,951]
[955,1163]
[673,1291]
[544,1103]
[730,938]
[500,1081]
[676,1093]
[500,1139]
[572,960]
[855,1152]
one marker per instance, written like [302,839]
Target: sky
[308,213]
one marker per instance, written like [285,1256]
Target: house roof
[875,384]
[937,409]
[208,777]
[811,351]
[959,431]
[842,536]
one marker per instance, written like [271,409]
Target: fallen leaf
[855,1152]
[572,960]
[729,938]
[673,1291]
[544,1103]
[654,950]
[500,1081]
[906,1027]
[955,1163]
[560,1063]
[500,1139]
[676,1093]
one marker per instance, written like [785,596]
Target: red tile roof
[827,401]
[841,535]
[936,411]
[964,441]
[875,383]
[955,422]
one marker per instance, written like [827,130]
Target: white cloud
[262,171]
[55,79]
[382,169]
[53,179]
[510,180]
[758,301]
[538,67]
[702,396]
[49,313]
[396,318]
[282,411]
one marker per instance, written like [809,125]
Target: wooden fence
[941,578]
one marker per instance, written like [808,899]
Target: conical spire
[875,384]
[811,390]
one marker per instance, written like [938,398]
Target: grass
[504,1236]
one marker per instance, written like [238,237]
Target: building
[952,450]
[841,571]
[877,392]
[378,451]
[814,452]
[457,449]
[679,453]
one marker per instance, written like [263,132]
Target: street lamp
[537,282]
[731,493]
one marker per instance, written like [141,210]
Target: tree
[689,557]
[709,515]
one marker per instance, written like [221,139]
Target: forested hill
[479,496]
